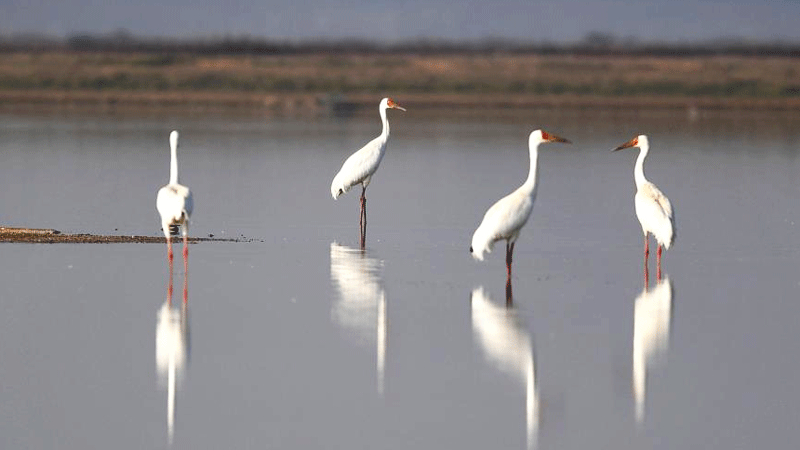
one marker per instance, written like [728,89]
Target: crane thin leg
[509,294]
[646,254]
[658,264]
[363,219]
[185,268]
[509,258]
[169,259]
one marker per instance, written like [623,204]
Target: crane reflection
[172,348]
[361,305]
[651,324]
[508,345]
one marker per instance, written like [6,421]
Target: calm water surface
[299,340]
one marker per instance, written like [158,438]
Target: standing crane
[359,167]
[506,218]
[653,208]
[174,203]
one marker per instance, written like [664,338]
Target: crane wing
[651,191]
[654,212]
[502,221]
[509,214]
[357,167]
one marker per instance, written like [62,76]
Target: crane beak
[554,138]
[632,143]
[392,104]
[549,137]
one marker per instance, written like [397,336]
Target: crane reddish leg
[509,257]
[363,219]
[646,254]
[509,293]
[658,264]
[169,259]
[185,267]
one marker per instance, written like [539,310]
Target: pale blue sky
[533,20]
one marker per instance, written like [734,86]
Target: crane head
[638,141]
[173,139]
[391,104]
[541,136]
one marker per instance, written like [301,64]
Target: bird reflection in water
[651,324]
[172,347]
[361,307]
[508,345]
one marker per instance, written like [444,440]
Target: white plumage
[654,212]
[506,218]
[174,201]
[359,167]
[653,208]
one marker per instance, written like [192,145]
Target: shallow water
[300,340]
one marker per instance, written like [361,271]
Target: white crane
[651,321]
[174,203]
[508,345]
[361,165]
[506,217]
[653,208]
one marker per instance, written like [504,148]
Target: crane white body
[653,208]
[504,219]
[508,346]
[507,216]
[651,322]
[359,167]
[174,201]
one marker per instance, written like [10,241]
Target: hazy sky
[565,20]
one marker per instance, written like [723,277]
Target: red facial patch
[545,136]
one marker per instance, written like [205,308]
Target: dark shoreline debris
[50,236]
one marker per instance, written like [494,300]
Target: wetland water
[298,340]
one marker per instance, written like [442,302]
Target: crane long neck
[638,170]
[530,183]
[173,166]
[385,131]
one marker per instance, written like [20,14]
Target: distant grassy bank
[318,83]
